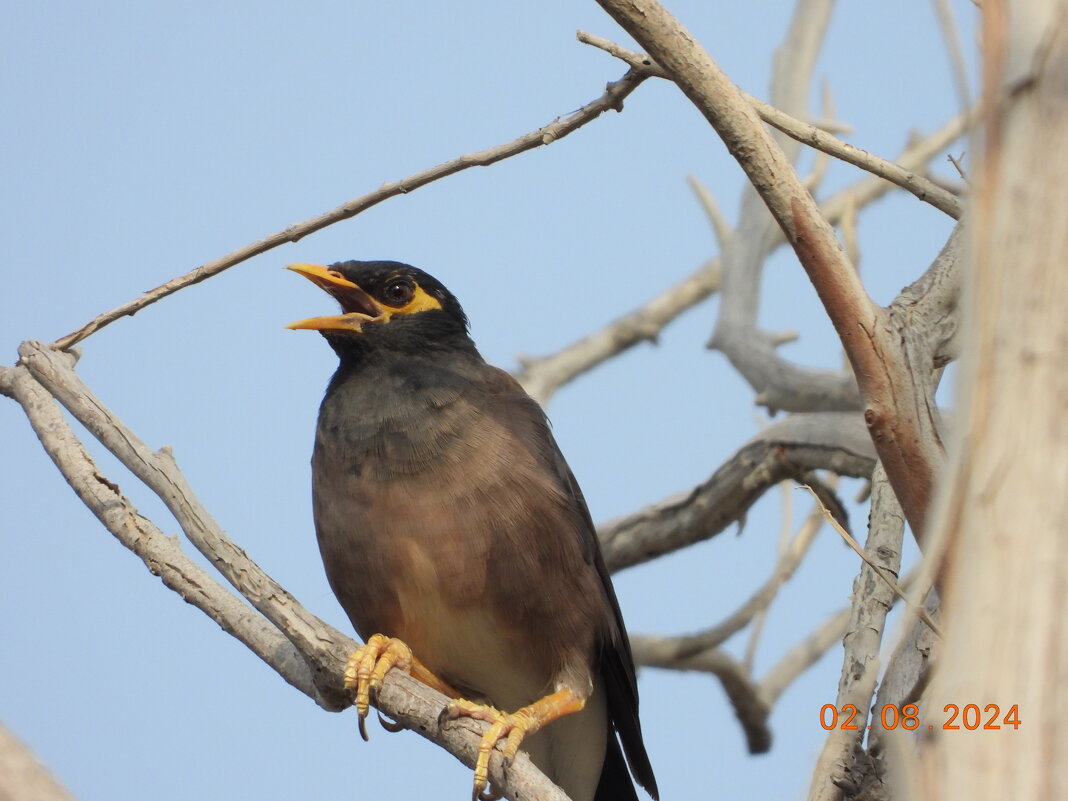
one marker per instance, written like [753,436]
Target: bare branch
[878,362]
[749,706]
[872,599]
[850,240]
[922,187]
[791,552]
[803,655]
[909,669]
[879,570]
[779,383]
[789,448]
[160,553]
[22,776]
[815,136]
[541,377]
[720,227]
[612,98]
[760,613]
[951,34]
[159,472]
[675,651]
[323,649]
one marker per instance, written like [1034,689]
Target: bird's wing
[616,660]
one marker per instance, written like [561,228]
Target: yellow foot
[369,664]
[511,728]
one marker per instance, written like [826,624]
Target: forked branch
[878,360]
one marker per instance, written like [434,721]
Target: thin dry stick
[803,655]
[749,705]
[789,448]
[643,61]
[543,376]
[921,187]
[811,135]
[678,651]
[612,98]
[785,531]
[851,242]
[951,34]
[720,227]
[884,574]
[160,473]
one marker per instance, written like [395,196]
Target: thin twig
[850,240]
[800,389]
[921,187]
[951,33]
[542,376]
[811,135]
[803,655]
[793,552]
[790,448]
[882,572]
[957,162]
[786,526]
[644,61]
[612,98]
[720,227]
[750,706]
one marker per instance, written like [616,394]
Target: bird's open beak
[357,306]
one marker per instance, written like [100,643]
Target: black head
[385,305]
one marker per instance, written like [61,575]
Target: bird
[456,538]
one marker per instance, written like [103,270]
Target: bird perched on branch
[458,542]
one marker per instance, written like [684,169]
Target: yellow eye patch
[421,301]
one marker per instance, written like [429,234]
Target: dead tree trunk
[1003,509]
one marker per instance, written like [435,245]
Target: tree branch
[322,649]
[803,655]
[786,386]
[161,554]
[749,706]
[872,598]
[674,651]
[815,136]
[542,376]
[612,98]
[23,777]
[789,448]
[874,353]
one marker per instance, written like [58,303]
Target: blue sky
[145,139]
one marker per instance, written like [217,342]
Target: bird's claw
[368,666]
[511,728]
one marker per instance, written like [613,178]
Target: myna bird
[457,540]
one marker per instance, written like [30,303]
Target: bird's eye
[397,291]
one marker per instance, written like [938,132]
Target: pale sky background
[143,139]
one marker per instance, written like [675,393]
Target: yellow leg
[511,728]
[369,664]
